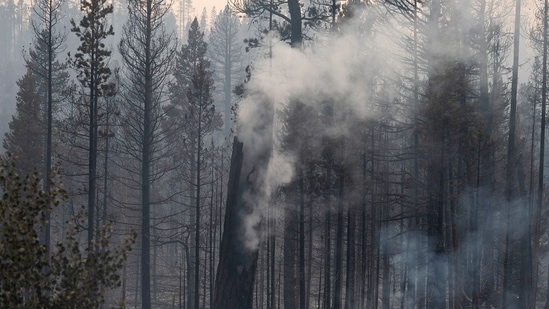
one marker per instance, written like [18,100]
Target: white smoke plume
[347,70]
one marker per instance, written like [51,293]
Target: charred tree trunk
[543,111]
[146,158]
[327,245]
[290,246]
[294,9]
[351,261]
[363,238]
[338,280]
[302,295]
[237,263]
[327,261]
[509,254]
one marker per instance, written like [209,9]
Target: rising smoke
[349,67]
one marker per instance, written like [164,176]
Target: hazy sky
[218,3]
[200,4]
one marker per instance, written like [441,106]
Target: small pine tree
[27,278]
[25,140]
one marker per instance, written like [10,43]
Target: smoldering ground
[437,268]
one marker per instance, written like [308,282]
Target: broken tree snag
[237,263]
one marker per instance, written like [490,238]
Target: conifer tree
[192,105]
[225,53]
[147,51]
[25,140]
[31,279]
[91,64]
[42,60]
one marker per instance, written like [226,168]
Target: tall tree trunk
[351,261]
[272,300]
[92,158]
[327,243]
[212,230]
[338,280]
[191,299]
[373,251]
[302,291]
[485,104]
[310,255]
[227,89]
[146,168]
[384,214]
[508,259]
[197,212]
[363,237]
[532,205]
[296,37]
[49,117]
[542,137]
[235,277]
[290,284]
[327,261]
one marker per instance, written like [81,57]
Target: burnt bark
[237,264]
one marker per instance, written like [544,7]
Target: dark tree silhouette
[91,63]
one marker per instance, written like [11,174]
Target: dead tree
[237,262]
